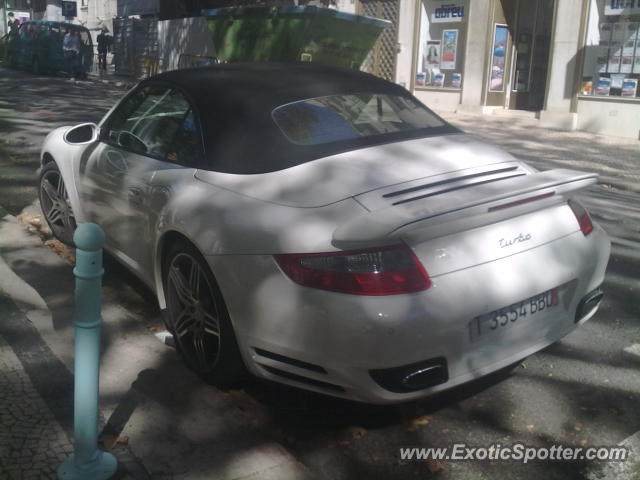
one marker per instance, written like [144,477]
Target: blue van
[38,46]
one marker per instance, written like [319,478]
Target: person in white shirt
[71,52]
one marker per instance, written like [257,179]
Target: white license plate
[520,312]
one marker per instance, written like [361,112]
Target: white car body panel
[331,179]
[321,328]
[478,260]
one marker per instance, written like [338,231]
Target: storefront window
[612,52]
[442,36]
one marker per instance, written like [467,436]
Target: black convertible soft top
[235,103]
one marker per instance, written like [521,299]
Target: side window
[159,122]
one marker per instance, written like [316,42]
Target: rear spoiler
[494,198]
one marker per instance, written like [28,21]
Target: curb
[52,384]
[124,83]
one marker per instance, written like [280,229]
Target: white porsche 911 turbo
[322,228]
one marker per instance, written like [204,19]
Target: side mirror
[82,134]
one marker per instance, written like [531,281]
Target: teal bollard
[87,461]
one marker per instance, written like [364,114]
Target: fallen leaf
[434,465]
[357,432]
[415,424]
[530,427]
[108,441]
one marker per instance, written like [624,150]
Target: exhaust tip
[589,303]
[416,376]
[422,378]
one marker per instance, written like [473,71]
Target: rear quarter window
[337,118]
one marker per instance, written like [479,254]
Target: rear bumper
[330,343]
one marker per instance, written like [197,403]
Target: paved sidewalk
[32,442]
[160,420]
[109,76]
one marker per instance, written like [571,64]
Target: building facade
[93,14]
[573,64]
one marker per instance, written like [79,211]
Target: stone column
[563,67]
[478,30]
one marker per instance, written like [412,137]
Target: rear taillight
[381,271]
[584,220]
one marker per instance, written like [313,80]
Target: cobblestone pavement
[32,443]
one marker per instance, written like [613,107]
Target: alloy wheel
[193,314]
[55,204]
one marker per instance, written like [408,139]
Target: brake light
[584,220]
[381,271]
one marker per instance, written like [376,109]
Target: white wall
[609,117]
[442,100]
[53,12]
[348,6]
[183,36]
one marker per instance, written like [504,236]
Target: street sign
[69,9]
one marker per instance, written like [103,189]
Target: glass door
[531,54]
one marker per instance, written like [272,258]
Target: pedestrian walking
[13,24]
[104,47]
[71,52]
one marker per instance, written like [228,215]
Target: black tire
[197,316]
[54,201]
[35,66]
[11,61]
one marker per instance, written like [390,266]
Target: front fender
[68,158]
